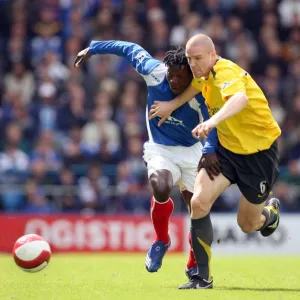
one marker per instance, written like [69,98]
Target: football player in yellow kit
[247,153]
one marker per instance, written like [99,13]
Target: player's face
[179,79]
[200,60]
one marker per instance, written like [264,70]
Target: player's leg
[161,209]
[250,216]
[253,217]
[161,182]
[187,197]
[162,174]
[206,192]
[191,265]
[255,213]
[188,160]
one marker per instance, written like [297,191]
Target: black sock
[271,217]
[202,237]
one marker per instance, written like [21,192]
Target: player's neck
[206,76]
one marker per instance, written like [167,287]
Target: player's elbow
[244,98]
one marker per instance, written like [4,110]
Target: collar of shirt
[212,73]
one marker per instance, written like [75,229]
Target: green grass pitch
[123,276]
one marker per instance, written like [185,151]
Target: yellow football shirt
[251,130]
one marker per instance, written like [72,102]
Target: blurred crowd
[72,139]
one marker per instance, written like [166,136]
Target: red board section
[74,233]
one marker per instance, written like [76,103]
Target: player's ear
[213,55]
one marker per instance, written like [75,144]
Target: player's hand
[210,162]
[201,131]
[161,109]
[82,56]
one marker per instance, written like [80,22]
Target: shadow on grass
[236,288]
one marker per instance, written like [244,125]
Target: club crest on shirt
[226,84]
[141,56]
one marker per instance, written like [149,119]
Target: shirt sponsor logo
[174,121]
[155,78]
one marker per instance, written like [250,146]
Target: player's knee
[201,205]
[161,188]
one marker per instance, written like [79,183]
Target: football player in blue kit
[171,153]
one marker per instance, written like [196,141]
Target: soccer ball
[31,253]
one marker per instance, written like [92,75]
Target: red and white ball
[31,253]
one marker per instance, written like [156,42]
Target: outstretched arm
[140,59]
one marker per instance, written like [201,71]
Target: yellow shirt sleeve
[229,83]
[198,83]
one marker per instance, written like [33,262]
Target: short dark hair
[176,57]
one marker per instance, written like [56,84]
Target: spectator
[16,49]
[101,130]
[132,196]
[289,11]
[72,148]
[291,85]
[13,159]
[54,68]
[46,152]
[72,110]
[14,165]
[45,112]
[36,202]
[69,201]
[93,190]
[20,81]
[47,38]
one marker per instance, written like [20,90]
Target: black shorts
[255,174]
